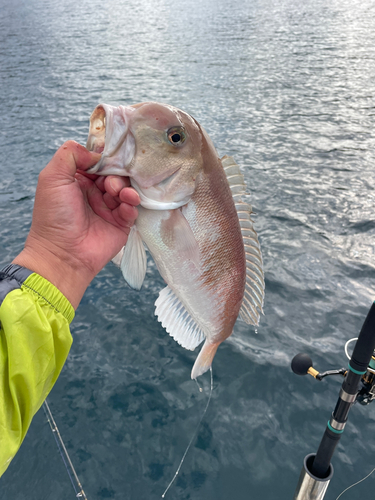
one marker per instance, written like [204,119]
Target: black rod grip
[358,364]
[365,344]
[321,465]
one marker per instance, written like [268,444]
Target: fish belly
[201,264]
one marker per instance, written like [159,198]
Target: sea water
[287,88]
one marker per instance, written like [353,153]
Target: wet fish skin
[189,221]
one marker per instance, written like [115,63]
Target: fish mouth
[109,135]
[96,138]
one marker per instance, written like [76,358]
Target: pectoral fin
[134,261]
[177,234]
[117,258]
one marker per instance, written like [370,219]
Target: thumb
[69,158]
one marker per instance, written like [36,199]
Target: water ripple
[287,88]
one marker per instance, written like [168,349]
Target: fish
[193,218]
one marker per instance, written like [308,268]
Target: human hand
[80,221]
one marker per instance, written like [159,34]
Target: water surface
[288,89]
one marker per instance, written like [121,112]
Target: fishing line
[63,452]
[355,484]
[199,387]
[194,435]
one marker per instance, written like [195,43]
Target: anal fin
[173,316]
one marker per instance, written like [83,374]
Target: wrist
[67,276]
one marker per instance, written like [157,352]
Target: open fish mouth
[109,135]
[96,138]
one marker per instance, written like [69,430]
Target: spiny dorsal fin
[177,321]
[254,289]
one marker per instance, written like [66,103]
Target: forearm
[34,342]
[72,281]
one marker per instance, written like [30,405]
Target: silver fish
[192,218]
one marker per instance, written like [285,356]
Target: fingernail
[116,184]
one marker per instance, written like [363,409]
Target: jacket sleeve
[34,343]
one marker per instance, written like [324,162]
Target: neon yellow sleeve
[34,343]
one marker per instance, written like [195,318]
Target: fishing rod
[358,386]
[77,486]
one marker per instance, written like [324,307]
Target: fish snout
[109,135]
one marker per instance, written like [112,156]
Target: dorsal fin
[254,289]
[177,321]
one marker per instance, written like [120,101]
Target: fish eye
[176,136]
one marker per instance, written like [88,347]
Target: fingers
[125,215]
[69,158]
[121,200]
[118,188]
[109,208]
[113,184]
[123,212]
[111,202]
[129,195]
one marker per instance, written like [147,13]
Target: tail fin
[204,359]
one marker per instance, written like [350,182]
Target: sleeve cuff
[50,294]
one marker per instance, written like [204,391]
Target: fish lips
[109,134]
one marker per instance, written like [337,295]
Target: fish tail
[204,359]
